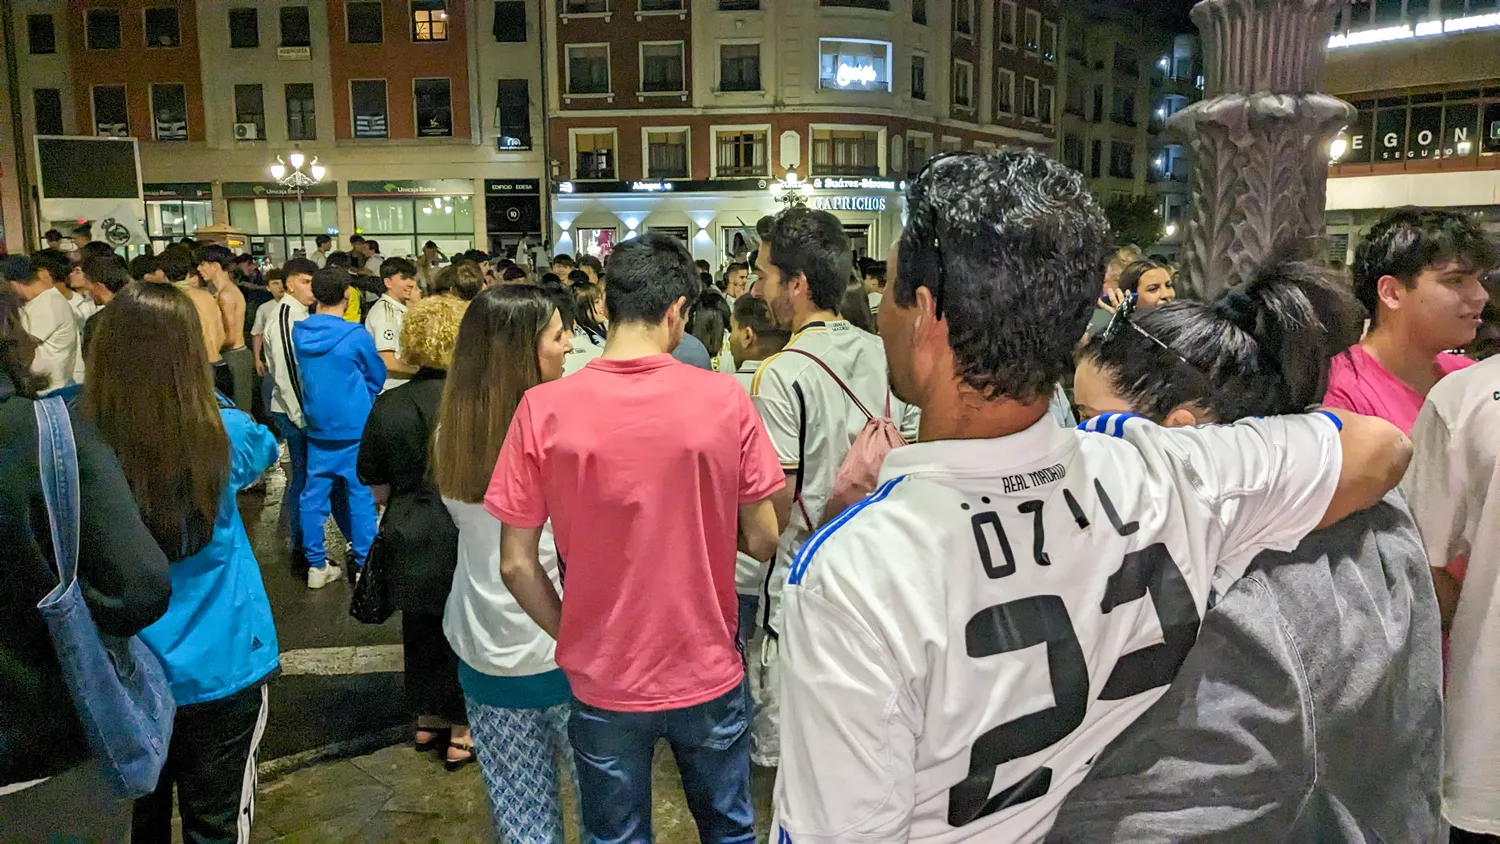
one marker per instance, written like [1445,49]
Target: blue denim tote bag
[119,687]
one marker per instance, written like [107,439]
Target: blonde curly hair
[430,331]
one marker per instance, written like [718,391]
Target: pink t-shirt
[642,466]
[1357,382]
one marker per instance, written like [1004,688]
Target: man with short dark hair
[1418,275]
[105,276]
[736,278]
[47,317]
[54,239]
[319,255]
[874,276]
[373,258]
[593,266]
[961,644]
[214,264]
[813,416]
[387,314]
[176,267]
[646,492]
[144,267]
[341,376]
[562,264]
[82,234]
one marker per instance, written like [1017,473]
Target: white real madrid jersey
[958,647]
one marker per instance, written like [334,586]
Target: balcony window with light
[429,20]
[1049,41]
[169,112]
[963,85]
[163,28]
[739,67]
[588,69]
[596,155]
[662,68]
[742,154]
[1033,35]
[963,17]
[851,64]
[667,154]
[366,26]
[102,29]
[845,152]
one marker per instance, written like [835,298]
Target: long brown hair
[17,348]
[150,390]
[494,363]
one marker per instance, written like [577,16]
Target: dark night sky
[1169,14]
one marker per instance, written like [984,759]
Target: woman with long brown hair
[511,339]
[186,455]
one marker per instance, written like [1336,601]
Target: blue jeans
[711,742]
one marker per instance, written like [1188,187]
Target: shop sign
[413,187]
[666,186]
[177,190]
[866,183]
[276,190]
[510,187]
[650,187]
[848,202]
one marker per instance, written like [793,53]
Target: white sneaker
[318,578]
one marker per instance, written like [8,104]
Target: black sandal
[440,737]
[458,764]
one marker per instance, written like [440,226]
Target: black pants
[224,379]
[1458,836]
[431,669]
[212,763]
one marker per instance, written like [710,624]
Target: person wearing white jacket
[512,338]
[286,390]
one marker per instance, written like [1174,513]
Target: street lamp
[791,191]
[298,180]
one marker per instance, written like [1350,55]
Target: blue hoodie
[341,376]
[217,637]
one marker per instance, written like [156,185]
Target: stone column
[1260,138]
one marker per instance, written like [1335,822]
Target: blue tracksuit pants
[330,461]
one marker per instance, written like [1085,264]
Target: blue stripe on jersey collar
[1109,423]
[805,555]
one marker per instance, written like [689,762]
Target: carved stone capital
[1251,46]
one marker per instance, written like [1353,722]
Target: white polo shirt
[53,323]
[384,324]
[794,395]
[959,646]
[1454,491]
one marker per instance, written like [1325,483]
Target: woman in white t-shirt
[511,339]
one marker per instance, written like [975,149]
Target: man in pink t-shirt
[653,474]
[1418,275]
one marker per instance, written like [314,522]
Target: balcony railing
[731,171]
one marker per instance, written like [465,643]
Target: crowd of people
[883,558]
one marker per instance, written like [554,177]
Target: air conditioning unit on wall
[246,132]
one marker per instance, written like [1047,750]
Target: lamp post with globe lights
[299,180]
[791,191]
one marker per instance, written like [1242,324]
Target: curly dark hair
[1012,245]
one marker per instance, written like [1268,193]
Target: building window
[510,21]
[596,155]
[244,28]
[1033,34]
[851,64]
[1122,160]
[1006,25]
[661,5]
[585,7]
[162,27]
[739,67]
[103,29]
[429,20]
[667,154]
[402,223]
[366,25]
[661,68]
[918,78]
[1072,152]
[1096,160]
[963,84]
[1098,103]
[739,5]
[295,31]
[877,5]
[742,153]
[367,99]
[1005,91]
[513,114]
[1047,96]
[846,152]
[1124,113]
[588,69]
[1126,60]
[169,112]
[1075,43]
[47,104]
[41,35]
[1049,41]
[1030,98]
[249,113]
[434,101]
[301,112]
[952,144]
[919,12]
[963,17]
[918,151]
[1075,103]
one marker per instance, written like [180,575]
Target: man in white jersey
[959,646]
[813,414]
[1454,490]
[387,314]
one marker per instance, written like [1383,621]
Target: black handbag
[372,602]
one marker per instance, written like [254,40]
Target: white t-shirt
[373,263]
[832,421]
[993,615]
[263,316]
[83,306]
[318,257]
[53,323]
[281,359]
[1454,491]
[749,573]
[384,324]
[586,347]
